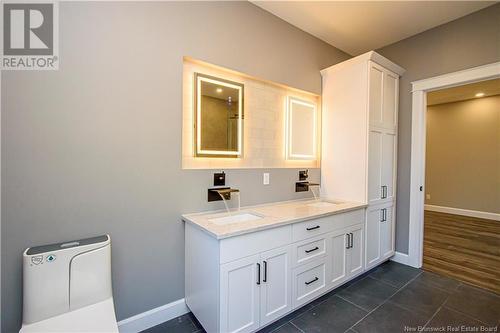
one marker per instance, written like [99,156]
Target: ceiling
[465,92]
[356,27]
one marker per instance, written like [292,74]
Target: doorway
[417,171]
[462,184]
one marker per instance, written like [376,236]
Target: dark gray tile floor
[390,298]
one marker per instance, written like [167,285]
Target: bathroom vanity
[245,270]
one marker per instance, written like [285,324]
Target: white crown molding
[373,56]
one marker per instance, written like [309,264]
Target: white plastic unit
[67,284]
[99,317]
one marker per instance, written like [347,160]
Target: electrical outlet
[266,178]
[428,196]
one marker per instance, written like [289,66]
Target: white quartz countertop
[270,216]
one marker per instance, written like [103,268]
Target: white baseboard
[401,258]
[463,212]
[153,317]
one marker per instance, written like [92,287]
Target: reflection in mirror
[300,130]
[219,117]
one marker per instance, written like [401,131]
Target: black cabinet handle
[258,273]
[382,215]
[313,280]
[265,272]
[348,240]
[384,191]
[352,240]
[312,228]
[312,250]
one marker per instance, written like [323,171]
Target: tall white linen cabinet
[359,144]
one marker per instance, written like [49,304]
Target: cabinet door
[390,100]
[239,290]
[375,166]
[355,253]
[387,232]
[275,297]
[381,166]
[373,224]
[337,271]
[376,94]
[388,168]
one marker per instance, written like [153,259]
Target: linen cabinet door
[355,253]
[337,271]
[376,94]
[240,282]
[390,104]
[387,231]
[373,218]
[375,164]
[276,290]
[388,168]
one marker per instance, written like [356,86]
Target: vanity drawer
[308,282]
[309,250]
[311,228]
[237,247]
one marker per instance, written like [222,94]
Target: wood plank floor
[462,247]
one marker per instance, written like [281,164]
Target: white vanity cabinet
[276,298]
[244,282]
[380,227]
[347,259]
[355,251]
[255,290]
[240,295]
[359,143]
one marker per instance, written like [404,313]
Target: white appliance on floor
[67,287]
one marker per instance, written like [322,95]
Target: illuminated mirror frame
[290,101]
[199,78]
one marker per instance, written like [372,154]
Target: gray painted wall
[471,41]
[96,147]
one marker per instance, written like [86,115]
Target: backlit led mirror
[219,117]
[300,129]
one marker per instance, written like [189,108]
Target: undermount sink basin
[322,204]
[235,218]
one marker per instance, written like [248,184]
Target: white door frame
[417,172]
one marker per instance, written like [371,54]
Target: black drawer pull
[265,272]
[258,273]
[313,280]
[312,228]
[312,250]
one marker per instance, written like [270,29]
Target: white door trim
[417,172]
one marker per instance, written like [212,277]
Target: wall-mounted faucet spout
[304,186]
[220,193]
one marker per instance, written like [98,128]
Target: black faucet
[220,191]
[303,185]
